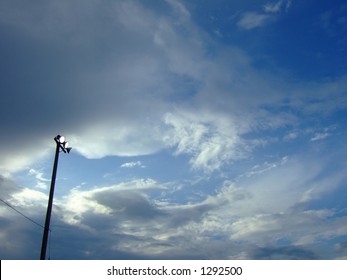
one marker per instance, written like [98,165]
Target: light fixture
[60,139]
[64,145]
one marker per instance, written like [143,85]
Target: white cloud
[180,9]
[320,136]
[273,7]
[81,202]
[251,20]
[112,138]
[323,97]
[259,209]
[292,135]
[210,139]
[16,158]
[41,181]
[276,7]
[28,197]
[265,167]
[268,208]
[302,228]
[132,164]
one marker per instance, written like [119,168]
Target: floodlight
[61,139]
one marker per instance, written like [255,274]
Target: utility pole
[61,144]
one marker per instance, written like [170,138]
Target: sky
[199,129]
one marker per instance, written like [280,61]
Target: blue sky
[200,129]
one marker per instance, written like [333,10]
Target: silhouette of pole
[50,204]
[61,144]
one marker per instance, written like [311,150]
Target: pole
[50,204]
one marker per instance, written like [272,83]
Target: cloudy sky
[200,129]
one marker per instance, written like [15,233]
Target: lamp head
[59,139]
[64,145]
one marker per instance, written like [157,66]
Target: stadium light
[61,145]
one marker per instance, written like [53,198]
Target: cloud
[138,225]
[99,91]
[107,72]
[251,20]
[20,237]
[333,22]
[129,138]
[132,164]
[180,9]
[325,97]
[79,202]
[265,167]
[29,197]
[122,71]
[41,181]
[126,79]
[18,156]
[8,187]
[320,136]
[247,218]
[236,213]
[283,253]
[276,7]
[261,210]
[273,7]
[210,139]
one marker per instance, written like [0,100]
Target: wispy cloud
[333,22]
[210,139]
[250,20]
[320,136]
[273,7]
[132,164]
[276,7]
[39,175]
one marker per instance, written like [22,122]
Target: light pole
[63,146]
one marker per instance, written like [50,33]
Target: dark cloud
[20,234]
[134,205]
[129,205]
[72,65]
[20,238]
[8,187]
[284,253]
[341,247]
